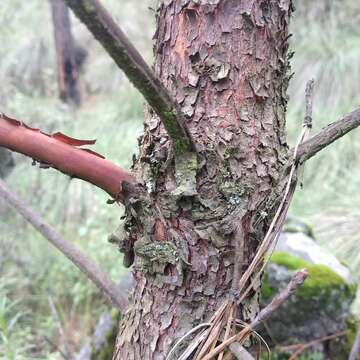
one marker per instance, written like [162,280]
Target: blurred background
[326,41]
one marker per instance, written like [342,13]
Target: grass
[327,48]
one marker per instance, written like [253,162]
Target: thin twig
[228,325]
[354,354]
[297,280]
[309,97]
[240,352]
[308,122]
[108,33]
[87,266]
[328,135]
[301,348]
[193,330]
[273,232]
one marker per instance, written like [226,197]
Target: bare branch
[240,352]
[328,135]
[125,55]
[64,154]
[87,266]
[296,281]
[309,97]
[354,354]
[301,348]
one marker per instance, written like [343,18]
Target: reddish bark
[225,61]
[63,153]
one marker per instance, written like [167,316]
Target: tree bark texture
[69,89]
[226,64]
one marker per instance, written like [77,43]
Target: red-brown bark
[64,154]
[225,61]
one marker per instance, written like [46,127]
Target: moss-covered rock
[294,225]
[320,307]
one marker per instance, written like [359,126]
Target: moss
[294,225]
[267,291]
[180,143]
[321,281]
[352,324]
[321,278]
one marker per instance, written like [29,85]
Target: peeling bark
[226,64]
[64,154]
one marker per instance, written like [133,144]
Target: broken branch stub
[328,135]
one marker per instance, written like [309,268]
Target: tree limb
[63,153]
[87,266]
[328,135]
[297,280]
[240,352]
[128,59]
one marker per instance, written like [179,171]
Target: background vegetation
[327,47]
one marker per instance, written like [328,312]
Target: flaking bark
[226,64]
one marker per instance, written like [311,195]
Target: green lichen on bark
[161,252]
[185,172]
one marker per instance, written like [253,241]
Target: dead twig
[301,348]
[297,280]
[87,266]
[240,352]
[328,135]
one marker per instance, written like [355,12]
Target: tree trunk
[68,84]
[226,63]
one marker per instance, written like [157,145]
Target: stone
[320,307]
[303,246]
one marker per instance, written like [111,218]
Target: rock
[303,246]
[320,307]
[294,225]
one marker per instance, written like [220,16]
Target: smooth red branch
[64,154]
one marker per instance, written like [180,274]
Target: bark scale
[226,64]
